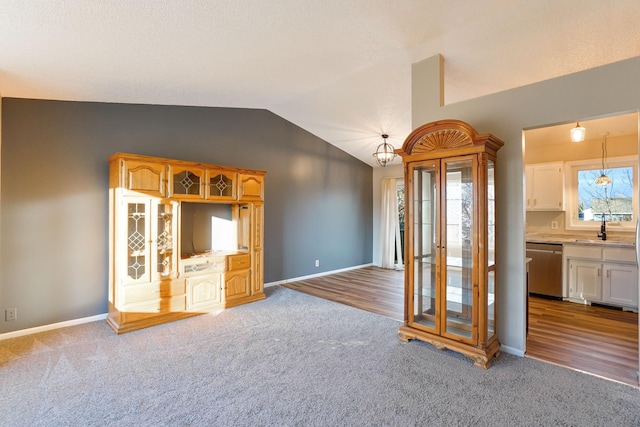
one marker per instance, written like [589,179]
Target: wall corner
[427,88]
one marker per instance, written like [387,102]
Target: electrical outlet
[554,225]
[11,314]
[317,263]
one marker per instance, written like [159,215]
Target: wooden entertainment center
[157,274]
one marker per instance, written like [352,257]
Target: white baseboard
[52,326]
[311,276]
[511,350]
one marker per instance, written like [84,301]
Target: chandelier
[603,179]
[384,153]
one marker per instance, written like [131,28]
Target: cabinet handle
[608,272]
[598,272]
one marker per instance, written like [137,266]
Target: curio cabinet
[450,239]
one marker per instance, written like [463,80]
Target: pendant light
[603,179]
[577,133]
[384,153]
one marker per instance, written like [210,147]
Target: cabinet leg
[403,337]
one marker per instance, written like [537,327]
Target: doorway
[590,333]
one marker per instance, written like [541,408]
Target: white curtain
[390,226]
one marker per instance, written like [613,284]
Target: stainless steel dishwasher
[545,269]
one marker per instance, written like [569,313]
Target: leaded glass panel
[186,182]
[137,240]
[221,186]
[164,240]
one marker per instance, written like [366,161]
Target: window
[400,196]
[589,203]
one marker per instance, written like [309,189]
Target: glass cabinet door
[187,183]
[163,231]
[458,235]
[221,185]
[138,231]
[424,216]
[491,250]
[151,227]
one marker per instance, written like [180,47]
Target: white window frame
[571,193]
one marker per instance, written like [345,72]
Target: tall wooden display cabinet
[450,236]
[185,238]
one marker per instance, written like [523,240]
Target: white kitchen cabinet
[601,274]
[545,186]
[585,280]
[620,284]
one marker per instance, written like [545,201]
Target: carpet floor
[290,360]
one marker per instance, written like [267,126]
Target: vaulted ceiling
[341,69]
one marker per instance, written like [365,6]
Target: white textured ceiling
[340,69]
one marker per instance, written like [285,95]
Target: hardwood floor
[372,289]
[598,340]
[559,332]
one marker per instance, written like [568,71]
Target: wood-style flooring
[597,340]
[373,289]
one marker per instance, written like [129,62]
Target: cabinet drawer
[151,291]
[575,251]
[238,262]
[619,255]
[202,265]
[147,309]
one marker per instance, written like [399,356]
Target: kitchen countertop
[581,239]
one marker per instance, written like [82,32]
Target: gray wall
[54,175]
[593,93]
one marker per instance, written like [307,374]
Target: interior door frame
[524,196]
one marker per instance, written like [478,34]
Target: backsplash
[541,222]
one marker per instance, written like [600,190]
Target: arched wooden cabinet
[450,271]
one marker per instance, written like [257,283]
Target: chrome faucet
[603,229]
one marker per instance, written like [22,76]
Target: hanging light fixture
[384,153]
[603,179]
[577,133]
